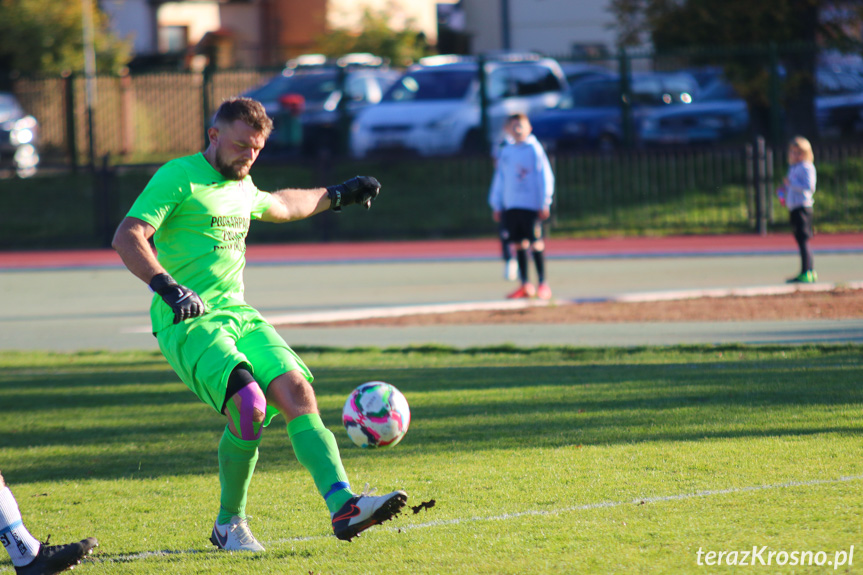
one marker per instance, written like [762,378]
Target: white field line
[516,515]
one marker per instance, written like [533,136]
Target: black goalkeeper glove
[358,190]
[185,302]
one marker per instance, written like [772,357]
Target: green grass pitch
[549,460]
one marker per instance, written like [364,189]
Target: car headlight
[19,137]
[23,131]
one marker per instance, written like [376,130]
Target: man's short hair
[517,116]
[249,111]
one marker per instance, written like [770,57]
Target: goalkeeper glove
[358,190]
[184,302]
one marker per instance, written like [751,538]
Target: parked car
[839,105]
[591,116]
[304,99]
[19,137]
[435,108]
[576,71]
[719,114]
[722,115]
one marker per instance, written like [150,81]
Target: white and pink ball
[376,414]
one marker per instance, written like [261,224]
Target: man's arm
[132,242]
[294,204]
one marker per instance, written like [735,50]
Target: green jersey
[201,222]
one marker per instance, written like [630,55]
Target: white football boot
[235,536]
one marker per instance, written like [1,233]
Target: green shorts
[205,350]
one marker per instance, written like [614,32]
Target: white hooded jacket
[523,178]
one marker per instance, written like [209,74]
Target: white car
[435,109]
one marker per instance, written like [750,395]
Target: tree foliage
[46,37]
[737,34]
[377,36]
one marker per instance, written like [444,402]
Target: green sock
[237,458]
[316,449]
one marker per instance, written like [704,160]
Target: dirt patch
[802,305]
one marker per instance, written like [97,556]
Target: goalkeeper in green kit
[197,210]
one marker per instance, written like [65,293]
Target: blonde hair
[805,148]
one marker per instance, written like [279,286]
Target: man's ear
[213,135]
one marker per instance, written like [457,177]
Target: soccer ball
[376,414]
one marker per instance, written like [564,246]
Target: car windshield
[718,91]
[313,86]
[9,107]
[431,84]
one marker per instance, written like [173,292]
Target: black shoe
[362,511]
[56,558]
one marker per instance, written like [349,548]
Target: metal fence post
[206,99]
[485,138]
[344,119]
[71,132]
[774,86]
[760,186]
[103,202]
[625,98]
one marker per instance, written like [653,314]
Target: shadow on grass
[115,425]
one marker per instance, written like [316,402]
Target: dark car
[718,115]
[839,105]
[305,100]
[591,117]
[19,136]
[577,71]
[721,115]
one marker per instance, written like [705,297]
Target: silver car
[19,137]
[435,109]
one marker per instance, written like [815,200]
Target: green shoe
[809,277]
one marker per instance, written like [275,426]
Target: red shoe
[525,291]
[543,291]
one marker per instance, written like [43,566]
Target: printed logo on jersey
[233,231]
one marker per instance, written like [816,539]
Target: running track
[431,250]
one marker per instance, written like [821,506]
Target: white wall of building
[135,20]
[547,26]
[347,13]
[199,17]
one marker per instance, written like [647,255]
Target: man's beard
[231,171]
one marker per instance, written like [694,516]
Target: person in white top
[797,192]
[520,197]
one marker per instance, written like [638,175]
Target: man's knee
[538,246]
[292,394]
[245,405]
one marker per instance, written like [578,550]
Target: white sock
[21,546]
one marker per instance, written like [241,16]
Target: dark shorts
[522,225]
[801,223]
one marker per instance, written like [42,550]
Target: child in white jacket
[520,197]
